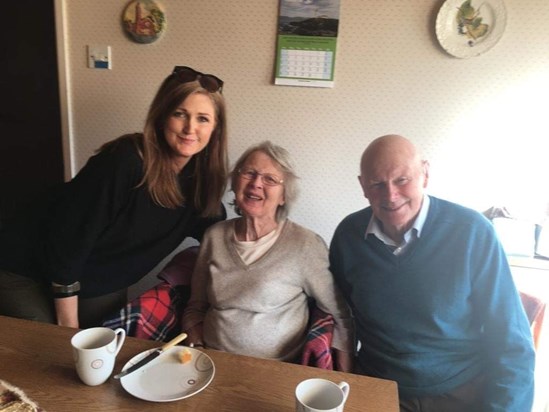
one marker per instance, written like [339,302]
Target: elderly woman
[255,274]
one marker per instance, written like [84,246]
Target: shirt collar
[374,227]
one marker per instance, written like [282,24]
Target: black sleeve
[86,207]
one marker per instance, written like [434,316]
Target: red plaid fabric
[317,350]
[155,315]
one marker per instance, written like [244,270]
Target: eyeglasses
[208,81]
[267,178]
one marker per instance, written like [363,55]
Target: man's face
[394,183]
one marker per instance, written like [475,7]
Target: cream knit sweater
[261,309]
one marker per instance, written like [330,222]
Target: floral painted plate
[467,28]
[144,21]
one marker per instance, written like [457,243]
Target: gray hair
[282,158]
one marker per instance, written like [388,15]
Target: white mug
[94,351]
[320,395]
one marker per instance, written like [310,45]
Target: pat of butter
[185,356]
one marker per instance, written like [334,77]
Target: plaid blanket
[317,350]
[155,315]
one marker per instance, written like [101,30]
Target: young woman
[72,260]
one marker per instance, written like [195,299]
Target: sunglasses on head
[208,81]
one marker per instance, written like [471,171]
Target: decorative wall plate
[467,28]
[144,21]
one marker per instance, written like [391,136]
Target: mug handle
[121,337]
[345,388]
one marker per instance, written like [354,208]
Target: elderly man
[434,302]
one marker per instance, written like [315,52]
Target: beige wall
[475,119]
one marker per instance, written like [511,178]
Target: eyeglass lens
[208,81]
[266,178]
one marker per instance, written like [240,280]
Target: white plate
[463,40]
[166,379]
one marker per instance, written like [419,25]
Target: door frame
[63,71]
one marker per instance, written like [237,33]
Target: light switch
[99,57]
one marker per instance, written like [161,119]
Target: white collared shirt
[411,234]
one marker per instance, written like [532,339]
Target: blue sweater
[443,312]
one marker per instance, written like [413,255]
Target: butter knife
[153,355]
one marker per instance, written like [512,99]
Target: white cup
[94,351]
[320,395]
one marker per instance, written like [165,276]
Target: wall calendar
[306,43]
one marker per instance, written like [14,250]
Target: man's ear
[363,186]
[425,166]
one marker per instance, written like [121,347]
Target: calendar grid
[306,64]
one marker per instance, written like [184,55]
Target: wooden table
[37,358]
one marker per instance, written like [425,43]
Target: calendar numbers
[306,64]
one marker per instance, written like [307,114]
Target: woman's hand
[66,310]
[195,336]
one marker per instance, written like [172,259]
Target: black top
[100,228]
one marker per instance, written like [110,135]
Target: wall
[475,119]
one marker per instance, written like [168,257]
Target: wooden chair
[535,311]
